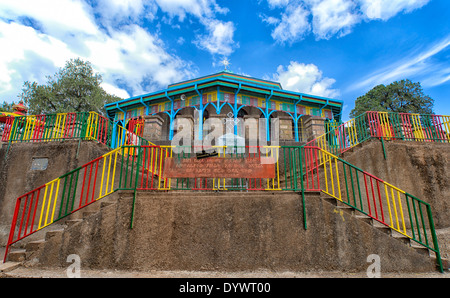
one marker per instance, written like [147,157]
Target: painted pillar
[235,110]
[172,117]
[200,115]
[267,115]
[296,124]
[296,118]
[114,136]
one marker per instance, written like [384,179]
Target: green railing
[66,126]
[340,137]
[383,202]
[307,168]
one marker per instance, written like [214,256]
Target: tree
[400,96]
[74,88]
[6,107]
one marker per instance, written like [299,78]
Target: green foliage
[74,88]
[7,107]
[400,96]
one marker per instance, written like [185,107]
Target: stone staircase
[26,253]
[29,254]
[341,207]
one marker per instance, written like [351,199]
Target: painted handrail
[152,172]
[65,126]
[370,195]
[341,137]
[71,192]
[142,168]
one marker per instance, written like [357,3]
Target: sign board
[216,167]
[39,164]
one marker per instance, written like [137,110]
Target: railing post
[382,145]
[302,187]
[138,162]
[435,242]
[12,230]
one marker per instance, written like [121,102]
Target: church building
[231,99]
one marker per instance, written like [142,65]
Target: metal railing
[71,192]
[309,168]
[340,137]
[370,195]
[66,126]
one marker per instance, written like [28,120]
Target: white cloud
[277,3]
[137,58]
[439,77]
[305,78]
[43,34]
[131,60]
[421,65]
[219,39]
[180,40]
[329,18]
[269,20]
[385,9]
[113,90]
[292,26]
[197,8]
[24,44]
[116,11]
[57,18]
[333,17]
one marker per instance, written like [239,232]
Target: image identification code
[251,287]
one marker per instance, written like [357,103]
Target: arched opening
[286,126]
[184,116]
[165,129]
[266,128]
[240,122]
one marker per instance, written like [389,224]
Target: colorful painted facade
[221,94]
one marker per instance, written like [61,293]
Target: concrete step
[72,222]
[347,209]
[9,266]
[421,249]
[364,218]
[330,200]
[401,237]
[17,256]
[445,263]
[86,214]
[105,204]
[53,233]
[382,227]
[34,245]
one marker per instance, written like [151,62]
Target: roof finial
[225,62]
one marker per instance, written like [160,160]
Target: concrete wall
[17,177]
[228,231]
[234,230]
[419,168]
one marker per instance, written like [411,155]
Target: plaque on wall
[217,167]
[39,163]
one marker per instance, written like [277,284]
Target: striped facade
[223,93]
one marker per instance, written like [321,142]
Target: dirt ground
[38,272]
[22,272]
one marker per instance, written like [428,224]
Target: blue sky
[332,48]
